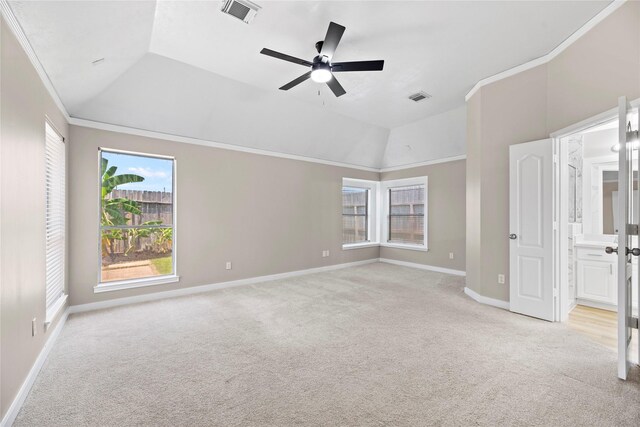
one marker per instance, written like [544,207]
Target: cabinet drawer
[594,254]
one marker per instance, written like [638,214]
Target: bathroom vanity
[597,271]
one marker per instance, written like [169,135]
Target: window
[55,220]
[355,215]
[359,201]
[136,220]
[405,207]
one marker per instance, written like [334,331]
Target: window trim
[117,285]
[373,226]
[386,186]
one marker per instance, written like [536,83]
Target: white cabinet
[597,276]
[597,281]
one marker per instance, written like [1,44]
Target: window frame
[117,285]
[397,183]
[373,227]
[54,308]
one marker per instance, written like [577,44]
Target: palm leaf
[113,181]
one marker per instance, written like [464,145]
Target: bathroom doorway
[588,222]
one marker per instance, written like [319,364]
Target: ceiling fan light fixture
[321,75]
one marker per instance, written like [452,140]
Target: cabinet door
[596,281]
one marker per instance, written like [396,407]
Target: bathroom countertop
[594,244]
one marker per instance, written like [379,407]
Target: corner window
[137,214]
[55,221]
[355,215]
[359,200]
[405,208]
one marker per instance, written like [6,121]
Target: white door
[531,290]
[628,215]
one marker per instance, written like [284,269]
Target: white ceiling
[443,48]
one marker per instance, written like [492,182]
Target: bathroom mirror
[610,199]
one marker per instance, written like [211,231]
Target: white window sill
[360,245]
[53,311]
[137,283]
[420,248]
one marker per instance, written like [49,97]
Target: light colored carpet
[372,345]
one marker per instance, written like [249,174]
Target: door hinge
[555,158]
[632,229]
[633,322]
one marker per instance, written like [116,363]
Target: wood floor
[599,325]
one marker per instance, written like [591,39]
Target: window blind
[55,215]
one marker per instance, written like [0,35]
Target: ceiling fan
[322,68]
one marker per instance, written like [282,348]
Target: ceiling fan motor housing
[321,61]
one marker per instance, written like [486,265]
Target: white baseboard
[16,405]
[206,288]
[486,300]
[424,267]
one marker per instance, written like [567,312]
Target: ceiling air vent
[420,96]
[244,10]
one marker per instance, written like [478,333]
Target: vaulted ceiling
[187,69]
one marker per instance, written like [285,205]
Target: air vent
[244,10]
[420,96]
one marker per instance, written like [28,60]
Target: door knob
[513,236]
[634,251]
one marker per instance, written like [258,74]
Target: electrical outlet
[450,255]
[325,254]
[228,266]
[501,279]
[34,328]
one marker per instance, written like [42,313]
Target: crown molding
[425,163]
[604,13]
[18,32]
[176,138]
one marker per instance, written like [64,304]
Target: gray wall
[584,80]
[266,215]
[446,216]
[24,104]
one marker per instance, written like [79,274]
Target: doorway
[588,222]
[574,215]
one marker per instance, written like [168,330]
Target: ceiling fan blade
[331,40]
[296,82]
[357,66]
[285,57]
[336,87]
